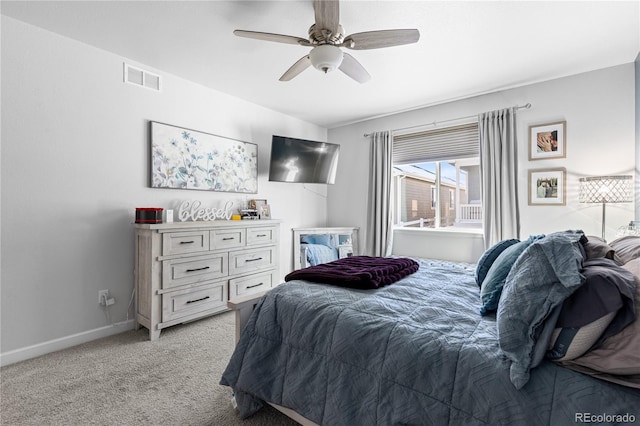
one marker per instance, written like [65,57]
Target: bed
[313,246]
[419,351]
[314,254]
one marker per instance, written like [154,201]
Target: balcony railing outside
[469,214]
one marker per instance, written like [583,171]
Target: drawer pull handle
[198,269]
[228,238]
[261,235]
[198,300]
[187,242]
[255,285]
[253,260]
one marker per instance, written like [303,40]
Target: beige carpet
[128,380]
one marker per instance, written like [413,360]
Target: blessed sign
[193,210]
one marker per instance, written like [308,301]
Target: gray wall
[599,108]
[74,167]
[637,94]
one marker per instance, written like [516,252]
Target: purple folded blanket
[364,272]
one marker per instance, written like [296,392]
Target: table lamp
[606,189]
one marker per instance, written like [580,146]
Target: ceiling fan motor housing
[326,57]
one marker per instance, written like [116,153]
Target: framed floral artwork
[548,141]
[547,187]
[187,159]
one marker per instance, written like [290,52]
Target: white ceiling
[465,49]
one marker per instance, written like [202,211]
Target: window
[437,178]
[434,196]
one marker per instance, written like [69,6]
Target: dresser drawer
[251,284]
[194,269]
[262,235]
[227,238]
[185,242]
[251,260]
[182,303]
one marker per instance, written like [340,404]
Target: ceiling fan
[326,37]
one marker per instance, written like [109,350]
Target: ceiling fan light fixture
[326,57]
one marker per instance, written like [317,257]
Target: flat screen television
[303,161]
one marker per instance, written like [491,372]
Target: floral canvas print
[187,159]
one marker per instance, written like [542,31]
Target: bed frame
[243,307]
[347,236]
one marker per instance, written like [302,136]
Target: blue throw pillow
[323,239]
[307,239]
[497,274]
[489,256]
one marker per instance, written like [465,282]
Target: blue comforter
[319,253]
[415,352]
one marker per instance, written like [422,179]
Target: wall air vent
[141,78]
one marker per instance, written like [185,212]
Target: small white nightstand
[345,251]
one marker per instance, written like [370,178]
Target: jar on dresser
[188,270]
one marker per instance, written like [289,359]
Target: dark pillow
[494,281]
[627,248]
[600,308]
[619,355]
[489,256]
[595,247]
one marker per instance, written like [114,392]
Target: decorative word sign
[193,210]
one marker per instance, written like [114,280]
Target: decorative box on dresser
[189,270]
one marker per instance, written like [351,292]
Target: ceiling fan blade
[351,67]
[279,38]
[300,65]
[382,38]
[327,15]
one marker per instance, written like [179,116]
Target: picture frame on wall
[548,141]
[547,187]
[188,159]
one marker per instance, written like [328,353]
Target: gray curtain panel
[380,222]
[499,174]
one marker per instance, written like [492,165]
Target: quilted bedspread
[416,352]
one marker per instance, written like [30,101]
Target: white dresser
[188,270]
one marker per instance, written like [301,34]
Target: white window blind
[439,144]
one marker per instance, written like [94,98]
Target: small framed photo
[547,187]
[265,212]
[548,141]
[256,204]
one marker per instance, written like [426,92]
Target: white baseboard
[43,348]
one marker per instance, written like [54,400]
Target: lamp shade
[326,57]
[606,189]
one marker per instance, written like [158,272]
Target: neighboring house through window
[437,178]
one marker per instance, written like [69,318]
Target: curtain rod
[526,106]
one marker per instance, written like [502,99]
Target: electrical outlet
[103,296]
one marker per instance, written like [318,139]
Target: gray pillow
[494,281]
[595,248]
[600,308]
[544,275]
[489,256]
[627,248]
